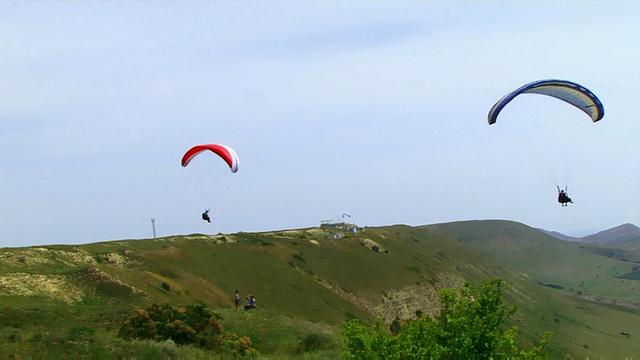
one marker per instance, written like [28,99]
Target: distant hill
[625,235]
[559,236]
[618,235]
[314,279]
[621,242]
[569,264]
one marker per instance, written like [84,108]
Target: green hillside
[305,282]
[570,265]
[621,252]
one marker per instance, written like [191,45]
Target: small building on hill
[336,224]
[343,225]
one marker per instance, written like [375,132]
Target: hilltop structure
[340,224]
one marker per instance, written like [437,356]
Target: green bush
[239,345]
[189,325]
[468,327]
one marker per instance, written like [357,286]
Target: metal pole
[153,224]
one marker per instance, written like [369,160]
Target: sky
[377,109]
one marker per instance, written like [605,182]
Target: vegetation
[71,301]
[70,333]
[468,327]
[189,325]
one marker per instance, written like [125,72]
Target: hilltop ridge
[613,236]
[392,273]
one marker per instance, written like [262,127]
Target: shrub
[467,327]
[240,345]
[192,324]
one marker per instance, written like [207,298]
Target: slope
[616,236]
[545,259]
[391,272]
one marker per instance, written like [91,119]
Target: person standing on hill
[236,298]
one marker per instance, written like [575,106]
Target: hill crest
[614,236]
[390,272]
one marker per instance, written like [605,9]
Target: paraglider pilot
[205,216]
[563,197]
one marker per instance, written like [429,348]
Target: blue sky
[377,109]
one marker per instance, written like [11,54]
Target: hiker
[236,298]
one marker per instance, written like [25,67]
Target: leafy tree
[468,327]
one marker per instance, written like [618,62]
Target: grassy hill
[567,264]
[621,242]
[71,298]
[619,235]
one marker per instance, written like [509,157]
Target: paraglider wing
[225,152]
[570,92]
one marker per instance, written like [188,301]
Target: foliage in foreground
[189,325]
[468,327]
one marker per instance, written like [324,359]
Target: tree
[469,326]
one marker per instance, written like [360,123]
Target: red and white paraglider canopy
[225,152]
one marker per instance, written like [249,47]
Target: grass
[306,286]
[279,335]
[34,333]
[545,259]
